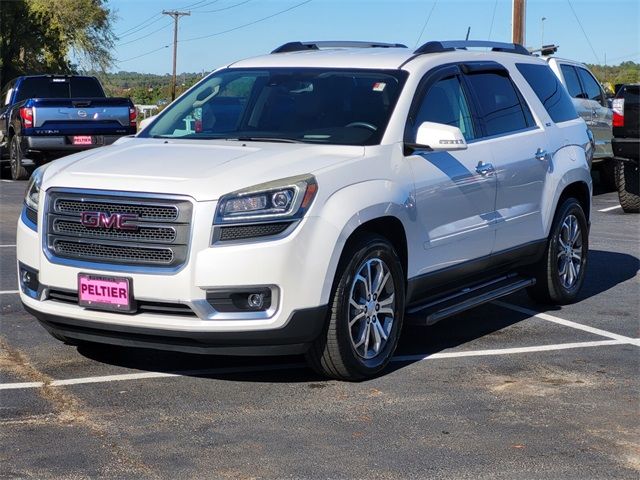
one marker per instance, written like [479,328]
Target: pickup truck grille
[155,234]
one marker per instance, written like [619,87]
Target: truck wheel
[626,177]
[18,171]
[366,312]
[560,273]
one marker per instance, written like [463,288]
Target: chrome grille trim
[159,245]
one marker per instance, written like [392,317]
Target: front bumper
[296,266]
[295,337]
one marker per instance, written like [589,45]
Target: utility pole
[176,16]
[518,16]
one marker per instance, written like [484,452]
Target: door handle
[541,155]
[484,169]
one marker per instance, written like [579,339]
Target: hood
[202,169]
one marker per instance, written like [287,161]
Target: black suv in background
[626,146]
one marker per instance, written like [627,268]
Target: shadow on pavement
[612,269]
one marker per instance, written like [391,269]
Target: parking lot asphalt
[508,390]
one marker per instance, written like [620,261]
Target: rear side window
[571,80]
[549,90]
[59,87]
[499,103]
[591,86]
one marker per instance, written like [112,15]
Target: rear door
[454,201]
[520,153]
[601,116]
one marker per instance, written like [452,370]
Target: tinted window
[499,103]
[549,90]
[446,103]
[310,105]
[59,87]
[571,81]
[591,86]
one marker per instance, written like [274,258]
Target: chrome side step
[465,299]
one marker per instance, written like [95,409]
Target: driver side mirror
[438,137]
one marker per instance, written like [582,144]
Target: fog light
[255,300]
[29,282]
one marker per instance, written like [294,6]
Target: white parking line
[507,351]
[569,323]
[7,246]
[8,292]
[290,366]
[608,209]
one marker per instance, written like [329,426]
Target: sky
[586,30]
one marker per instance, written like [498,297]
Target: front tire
[366,312]
[18,171]
[560,273]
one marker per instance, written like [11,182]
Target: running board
[458,302]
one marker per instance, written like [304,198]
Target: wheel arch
[580,191]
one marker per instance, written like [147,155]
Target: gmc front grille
[159,237]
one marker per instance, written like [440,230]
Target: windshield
[345,107]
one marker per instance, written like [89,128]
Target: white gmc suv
[311,200]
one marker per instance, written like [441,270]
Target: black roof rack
[301,46]
[451,45]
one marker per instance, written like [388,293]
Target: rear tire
[18,171]
[366,312]
[630,201]
[560,273]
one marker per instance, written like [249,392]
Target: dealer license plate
[82,140]
[105,293]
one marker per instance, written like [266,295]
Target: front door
[454,191]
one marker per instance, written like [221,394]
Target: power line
[247,24]
[191,5]
[138,30]
[225,8]
[493,17]
[217,33]
[144,36]
[583,31]
[124,33]
[143,54]
[426,22]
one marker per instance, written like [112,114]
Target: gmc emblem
[117,221]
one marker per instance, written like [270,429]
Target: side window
[549,90]
[571,80]
[445,102]
[591,86]
[500,104]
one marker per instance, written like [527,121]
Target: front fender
[354,205]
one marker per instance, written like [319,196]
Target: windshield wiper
[264,139]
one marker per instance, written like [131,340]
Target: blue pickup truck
[43,117]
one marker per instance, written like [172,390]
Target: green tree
[39,36]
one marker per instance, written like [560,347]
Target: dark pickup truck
[43,117]
[626,145]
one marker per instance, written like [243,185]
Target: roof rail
[301,46]
[451,45]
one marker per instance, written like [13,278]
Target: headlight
[285,199]
[32,195]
